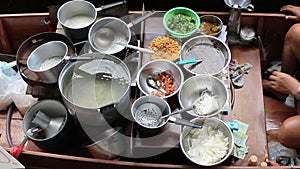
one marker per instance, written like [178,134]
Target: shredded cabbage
[207,145]
[206,104]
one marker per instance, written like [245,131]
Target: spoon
[144,50]
[151,82]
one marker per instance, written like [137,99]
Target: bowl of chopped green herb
[181,22]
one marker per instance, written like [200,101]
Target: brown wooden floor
[276,112]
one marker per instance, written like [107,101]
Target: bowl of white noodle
[207,93]
[209,146]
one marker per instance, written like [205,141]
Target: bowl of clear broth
[210,25]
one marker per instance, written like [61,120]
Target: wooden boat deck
[250,107]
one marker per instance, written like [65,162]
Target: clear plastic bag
[13,89]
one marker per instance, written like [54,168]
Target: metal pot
[57,127]
[28,46]
[48,60]
[120,32]
[97,92]
[77,16]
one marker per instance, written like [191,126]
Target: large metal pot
[97,92]
[77,16]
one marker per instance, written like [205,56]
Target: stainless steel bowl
[215,124]
[213,52]
[153,68]
[192,88]
[210,25]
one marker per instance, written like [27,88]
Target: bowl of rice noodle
[206,93]
[209,146]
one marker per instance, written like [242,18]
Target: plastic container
[181,10]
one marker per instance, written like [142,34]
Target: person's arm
[293,10]
[284,83]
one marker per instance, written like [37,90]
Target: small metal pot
[28,46]
[77,16]
[120,32]
[48,60]
[96,92]
[153,105]
[56,124]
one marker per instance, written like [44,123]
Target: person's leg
[291,51]
[290,59]
[289,131]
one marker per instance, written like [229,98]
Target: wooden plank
[249,105]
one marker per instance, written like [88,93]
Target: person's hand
[284,83]
[295,10]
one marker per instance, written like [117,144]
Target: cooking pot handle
[141,18]
[250,7]
[110,5]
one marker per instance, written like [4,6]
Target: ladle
[152,115]
[104,37]
[151,82]
[179,111]
[191,107]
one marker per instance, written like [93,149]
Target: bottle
[252,160]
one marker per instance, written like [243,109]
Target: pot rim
[76,1]
[42,46]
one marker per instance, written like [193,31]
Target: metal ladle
[152,116]
[104,37]
[151,82]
